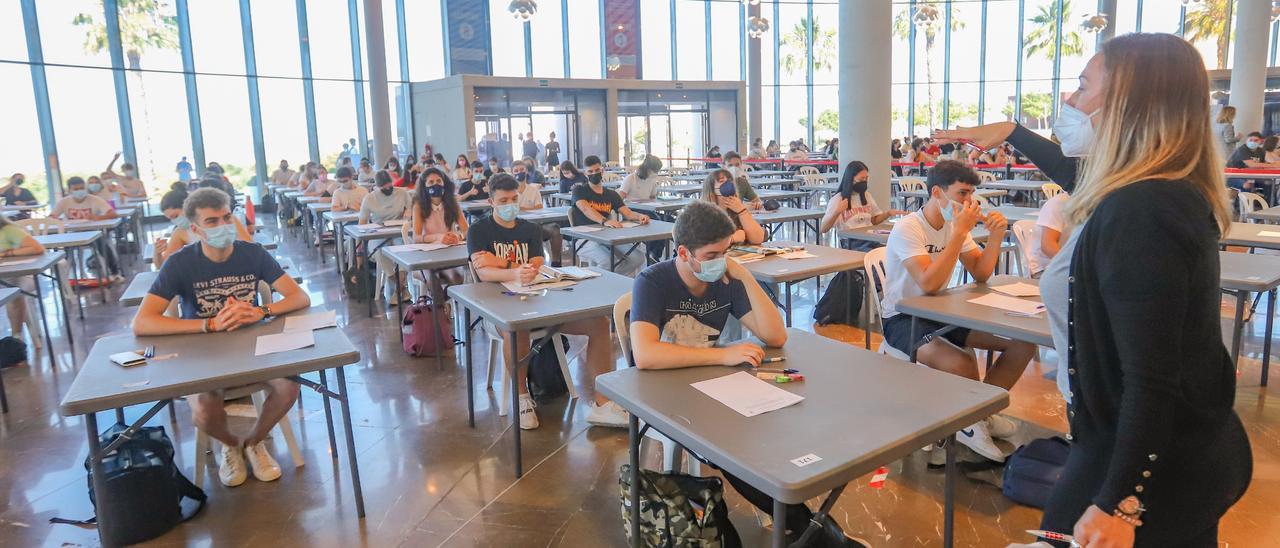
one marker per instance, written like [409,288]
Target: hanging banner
[621,29]
[467,24]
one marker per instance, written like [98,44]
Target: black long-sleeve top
[1151,381]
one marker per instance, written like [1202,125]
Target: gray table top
[781,194]
[558,214]
[653,231]
[475,206]
[1252,175]
[952,307]
[785,215]
[341,217]
[681,190]
[138,287]
[8,294]
[775,269]
[449,257]
[756,182]
[1247,234]
[1270,214]
[880,233]
[1020,185]
[1018,213]
[984,192]
[41,263]
[589,299]
[821,187]
[205,362]
[659,206]
[1249,272]
[848,391]
[320,207]
[103,224]
[68,239]
[22,207]
[383,233]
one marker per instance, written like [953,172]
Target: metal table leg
[400,306]
[779,536]
[471,389]
[66,313]
[949,494]
[344,403]
[373,288]
[514,365]
[787,288]
[866,310]
[328,416]
[44,322]
[436,306]
[1266,343]
[1238,327]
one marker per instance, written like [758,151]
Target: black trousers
[798,515]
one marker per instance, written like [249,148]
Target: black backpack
[835,306]
[1032,470]
[546,382]
[144,490]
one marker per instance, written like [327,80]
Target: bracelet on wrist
[1131,520]
[204,327]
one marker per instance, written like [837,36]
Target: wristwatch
[1130,510]
[266,310]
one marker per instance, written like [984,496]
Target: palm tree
[1043,37]
[144,25]
[824,47]
[926,15]
[1208,20]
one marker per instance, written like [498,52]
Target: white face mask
[1075,129]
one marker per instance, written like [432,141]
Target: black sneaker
[829,536]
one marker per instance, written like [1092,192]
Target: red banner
[622,38]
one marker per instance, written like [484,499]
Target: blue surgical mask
[79,194]
[711,270]
[221,236]
[181,221]
[95,187]
[1253,145]
[948,214]
[728,189]
[507,212]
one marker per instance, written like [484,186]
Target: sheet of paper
[1018,289]
[415,247]
[395,222]
[629,224]
[536,289]
[802,254]
[328,318]
[16,262]
[368,226]
[587,228]
[746,394]
[1269,234]
[578,272]
[1011,304]
[283,342]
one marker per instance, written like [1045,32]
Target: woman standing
[1158,454]
[1224,128]
[552,152]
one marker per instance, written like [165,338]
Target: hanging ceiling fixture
[1094,23]
[523,10]
[757,26]
[926,16]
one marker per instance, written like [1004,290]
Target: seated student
[78,205]
[462,168]
[1249,155]
[104,188]
[180,234]
[531,167]
[570,175]
[853,207]
[720,189]
[530,192]
[129,184]
[364,173]
[216,284]
[475,188]
[14,194]
[16,242]
[348,196]
[684,312]
[922,253]
[386,203]
[1049,237]
[282,175]
[505,248]
[733,164]
[713,155]
[595,204]
[320,185]
[442,221]
[642,184]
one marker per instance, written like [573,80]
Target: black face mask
[435,191]
[387,190]
[860,186]
[522,176]
[19,182]
[595,178]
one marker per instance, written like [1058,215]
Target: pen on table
[773,360]
[1050,535]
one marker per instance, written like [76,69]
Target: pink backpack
[421,330]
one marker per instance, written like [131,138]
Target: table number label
[805,460]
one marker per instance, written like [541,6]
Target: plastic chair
[873,262]
[1050,190]
[672,452]
[498,357]
[611,163]
[1249,203]
[814,179]
[909,184]
[610,176]
[1024,233]
[256,392]
[42,226]
[807,170]
[986,177]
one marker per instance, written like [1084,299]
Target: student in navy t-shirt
[683,314]
[215,281]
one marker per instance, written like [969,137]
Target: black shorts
[897,332]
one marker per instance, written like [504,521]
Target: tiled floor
[431,480]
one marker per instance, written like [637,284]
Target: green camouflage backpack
[677,510]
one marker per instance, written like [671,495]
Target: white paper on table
[368,226]
[629,224]
[1269,234]
[516,287]
[587,228]
[746,394]
[415,247]
[395,222]
[17,262]
[1011,304]
[283,342]
[328,318]
[802,254]
[1018,289]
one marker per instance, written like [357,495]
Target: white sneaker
[231,470]
[528,417]
[1001,426]
[265,468]
[978,438]
[610,414]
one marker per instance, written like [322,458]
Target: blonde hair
[1227,115]
[1149,132]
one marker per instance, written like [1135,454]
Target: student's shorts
[897,332]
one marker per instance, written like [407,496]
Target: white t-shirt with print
[1051,216]
[68,208]
[856,216]
[640,189]
[912,237]
[531,197]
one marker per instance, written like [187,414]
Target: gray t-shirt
[1054,290]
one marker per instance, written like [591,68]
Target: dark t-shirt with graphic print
[659,297]
[604,203]
[203,285]
[518,244]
